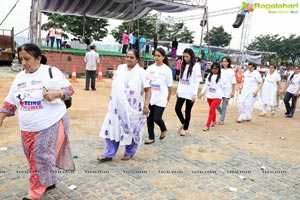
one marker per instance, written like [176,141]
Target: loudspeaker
[179,25]
[160,28]
[203,22]
[238,21]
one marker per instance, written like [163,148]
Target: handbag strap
[50,72]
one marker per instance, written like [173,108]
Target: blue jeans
[58,43]
[222,108]
[52,41]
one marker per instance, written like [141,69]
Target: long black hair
[192,63]
[228,59]
[215,64]
[163,53]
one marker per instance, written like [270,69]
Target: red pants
[213,104]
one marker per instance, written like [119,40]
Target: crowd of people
[138,98]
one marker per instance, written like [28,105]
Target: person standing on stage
[161,79]
[190,78]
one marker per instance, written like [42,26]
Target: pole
[83,27]
[207,32]
[202,29]
[39,24]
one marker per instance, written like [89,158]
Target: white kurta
[246,99]
[269,90]
[124,120]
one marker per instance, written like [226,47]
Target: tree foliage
[95,28]
[147,27]
[218,37]
[286,48]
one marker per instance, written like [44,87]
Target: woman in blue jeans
[230,80]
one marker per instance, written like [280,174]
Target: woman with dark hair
[190,78]
[229,77]
[127,110]
[43,119]
[292,92]
[270,90]
[213,89]
[248,91]
[161,80]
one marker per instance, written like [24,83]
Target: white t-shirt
[36,113]
[187,87]
[51,32]
[229,77]
[92,59]
[214,90]
[161,78]
[294,83]
[58,33]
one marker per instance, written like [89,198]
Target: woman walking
[190,78]
[270,89]
[43,119]
[213,89]
[249,90]
[161,80]
[292,92]
[229,77]
[126,116]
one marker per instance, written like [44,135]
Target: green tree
[147,27]
[286,48]
[218,37]
[95,28]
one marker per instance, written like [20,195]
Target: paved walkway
[160,171]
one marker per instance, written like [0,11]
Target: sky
[262,21]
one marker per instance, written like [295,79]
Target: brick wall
[65,61]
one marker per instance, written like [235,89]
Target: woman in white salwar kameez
[248,96]
[126,116]
[270,90]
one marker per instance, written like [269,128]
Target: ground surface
[200,166]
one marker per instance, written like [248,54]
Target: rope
[9,12]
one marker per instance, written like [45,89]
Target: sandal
[179,129]
[239,121]
[126,158]
[182,133]
[104,159]
[163,135]
[206,129]
[262,114]
[213,124]
[220,123]
[273,112]
[149,142]
[51,187]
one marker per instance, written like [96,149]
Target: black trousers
[156,113]
[90,77]
[290,109]
[124,49]
[188,108]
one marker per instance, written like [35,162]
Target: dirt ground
[272,136]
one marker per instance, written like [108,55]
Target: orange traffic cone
[115,69]
[73,78]
[100,78]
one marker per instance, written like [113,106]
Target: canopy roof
[115,9]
